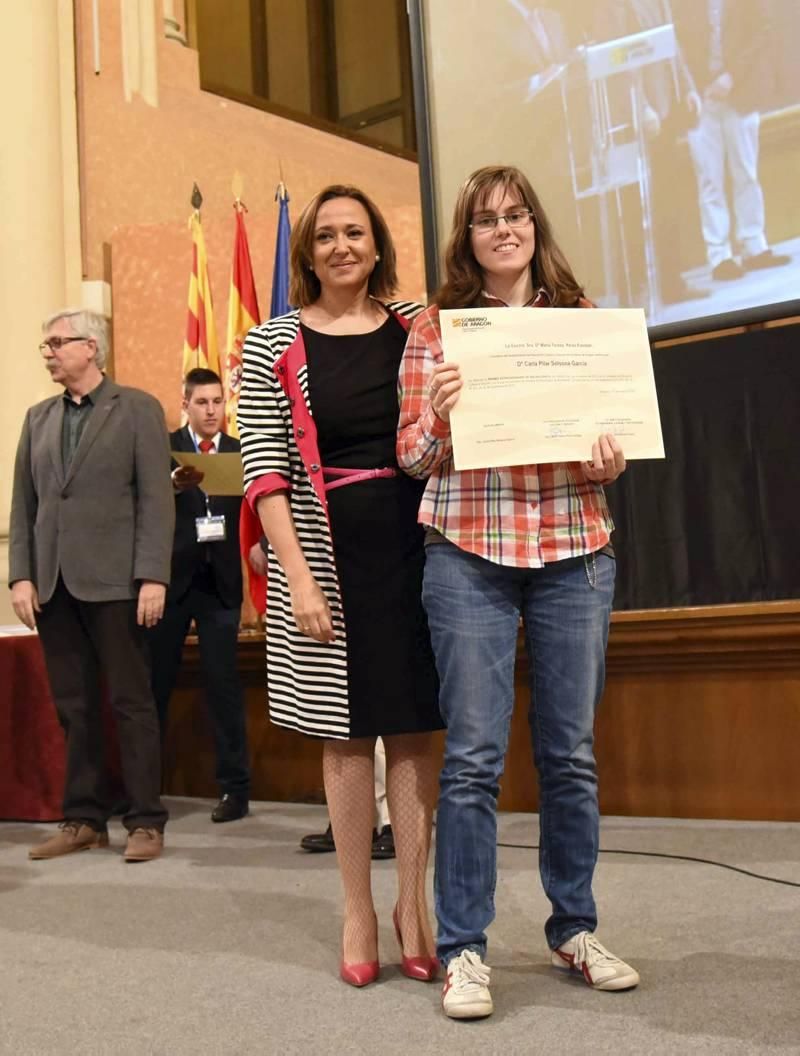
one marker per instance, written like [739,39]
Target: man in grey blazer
[92,520]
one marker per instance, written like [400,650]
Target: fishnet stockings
[411,789]
[348,771]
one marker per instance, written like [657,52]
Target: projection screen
[662,136]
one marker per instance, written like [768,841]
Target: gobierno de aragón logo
[469,322]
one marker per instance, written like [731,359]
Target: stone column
[175,21]
[40,265]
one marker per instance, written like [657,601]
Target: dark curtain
[719,520]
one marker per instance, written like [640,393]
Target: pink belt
[353,476]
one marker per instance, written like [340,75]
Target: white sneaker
[465,994]
[600,968]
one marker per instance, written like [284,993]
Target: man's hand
[151,603]
[607,461]
[25,600]
[257,559]
[720,88]
[185,477]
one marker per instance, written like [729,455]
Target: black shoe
[767,259]
[230,808]
[727,270]
[382,843]
[319,843]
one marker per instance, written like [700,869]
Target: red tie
[206,446]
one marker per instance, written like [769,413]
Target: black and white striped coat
[306,680]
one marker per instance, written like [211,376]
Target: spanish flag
[242,315]
[200,346]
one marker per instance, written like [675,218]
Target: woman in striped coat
[348,651]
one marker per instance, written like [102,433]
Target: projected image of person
[504,544]
[655,170]
[728,47]
[658,98]
[667,104]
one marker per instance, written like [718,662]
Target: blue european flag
[280,272]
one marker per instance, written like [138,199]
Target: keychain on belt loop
[591,574]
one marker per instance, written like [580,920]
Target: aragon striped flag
[200,345]
[242,315]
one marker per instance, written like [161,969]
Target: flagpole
[280,272]
[196,202]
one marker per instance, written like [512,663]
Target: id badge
[210,529]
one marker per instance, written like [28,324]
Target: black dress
[377,542]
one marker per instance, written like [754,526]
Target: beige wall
[138,160]
[146,133]
[139,163]
[40,267]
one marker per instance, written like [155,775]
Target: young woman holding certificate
[348,651]
[504,544]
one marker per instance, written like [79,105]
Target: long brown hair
[305,288]
[464,278]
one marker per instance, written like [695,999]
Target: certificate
[540,385]
[222,473]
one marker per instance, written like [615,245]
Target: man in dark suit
[91,527]
[206,586]
[729,47]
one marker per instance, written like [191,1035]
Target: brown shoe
[71,836]
[144,844]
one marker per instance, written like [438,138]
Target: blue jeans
[474,607]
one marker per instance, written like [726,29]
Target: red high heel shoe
[423,968]
[359,974]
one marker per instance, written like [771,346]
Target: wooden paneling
[286,766]
[700,718]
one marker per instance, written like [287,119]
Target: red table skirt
[32,749]
[31,738]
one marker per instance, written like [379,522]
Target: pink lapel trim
[286,368]
[405,323]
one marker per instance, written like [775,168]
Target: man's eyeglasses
[55,344]
[519,218]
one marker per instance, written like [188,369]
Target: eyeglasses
[519,218]
[55,344]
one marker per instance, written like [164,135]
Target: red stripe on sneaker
[447,985]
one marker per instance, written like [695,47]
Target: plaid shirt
[522,516]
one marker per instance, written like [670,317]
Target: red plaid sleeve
[423,439]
